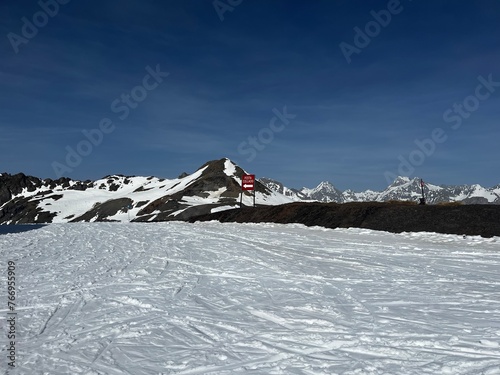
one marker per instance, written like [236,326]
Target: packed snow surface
[212,298]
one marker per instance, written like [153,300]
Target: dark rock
[164,204]
[483,220]
[141,203]
[22,210]
[81,186]
[11,185]
[102,211]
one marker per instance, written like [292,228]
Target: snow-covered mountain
[402,189]
[294,194]
[214,186]
[324,192]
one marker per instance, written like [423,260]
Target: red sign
[247,182]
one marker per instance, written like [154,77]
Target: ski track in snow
[212,298]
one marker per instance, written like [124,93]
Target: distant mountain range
[402,189]
[215,186]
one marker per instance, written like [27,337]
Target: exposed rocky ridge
[483,220]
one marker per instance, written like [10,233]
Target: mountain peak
[324,192]
[325,184]
[403,180]
[222,166]
[400,180]
[214,186]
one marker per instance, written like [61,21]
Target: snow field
[212,298]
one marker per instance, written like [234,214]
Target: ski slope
[212,298]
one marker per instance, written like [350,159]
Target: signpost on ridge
[247,183]
[422,184]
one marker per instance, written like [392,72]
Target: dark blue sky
[353,123]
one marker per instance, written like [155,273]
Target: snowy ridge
[215,185]
[293,194]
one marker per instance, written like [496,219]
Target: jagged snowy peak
[323,187]
[273,184]
[214,186]
[278,187]
[400,181]
[402,188]
[324,192]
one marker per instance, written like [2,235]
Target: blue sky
[352,123]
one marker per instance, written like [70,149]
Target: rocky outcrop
[483,220]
